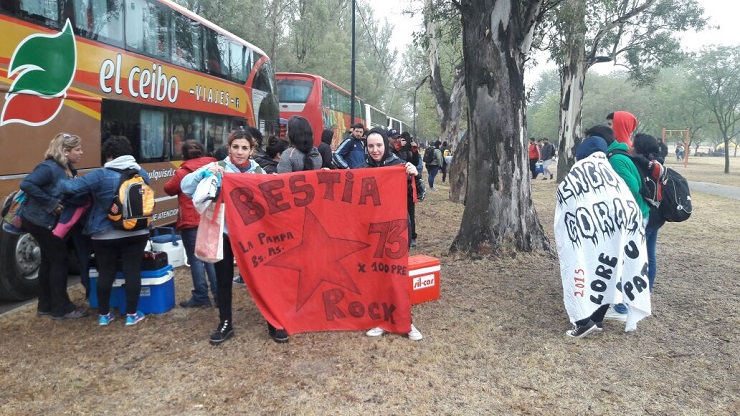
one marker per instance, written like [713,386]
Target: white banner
[601,242]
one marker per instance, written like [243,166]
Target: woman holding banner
[379,155]
[241,144]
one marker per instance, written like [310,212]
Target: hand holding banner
[323,250]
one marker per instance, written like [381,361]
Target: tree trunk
[458,171]
[449,107]
[499,215]
[572,80]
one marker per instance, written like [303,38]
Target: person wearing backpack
[40,212]
[626,169]
[433,161]
[648,147]
[111,244]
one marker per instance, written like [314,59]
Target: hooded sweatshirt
[624,124]
[627,170]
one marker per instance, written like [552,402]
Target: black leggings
[597,316]
[107,252]
[224,283]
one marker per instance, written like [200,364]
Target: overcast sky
[722,13]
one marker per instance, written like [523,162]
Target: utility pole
[352,98]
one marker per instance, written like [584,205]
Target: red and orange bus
[325,105]
[147,69]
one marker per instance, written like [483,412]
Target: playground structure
[682,134]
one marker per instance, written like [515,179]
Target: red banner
[323,250]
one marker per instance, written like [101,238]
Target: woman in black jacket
[379,155]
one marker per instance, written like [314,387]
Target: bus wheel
[20,257]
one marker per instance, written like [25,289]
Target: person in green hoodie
[626,169]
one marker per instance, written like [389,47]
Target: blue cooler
[94,291]
[157,291]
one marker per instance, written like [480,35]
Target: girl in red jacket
[187,223]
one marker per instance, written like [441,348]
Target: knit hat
[590,146]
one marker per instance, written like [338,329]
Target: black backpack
[676,204]
[429,155]
[652,174]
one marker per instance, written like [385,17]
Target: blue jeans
[651,240]
[198,268]
[433,169]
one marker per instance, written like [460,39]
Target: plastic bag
[209,241]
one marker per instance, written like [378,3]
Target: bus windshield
[294,91]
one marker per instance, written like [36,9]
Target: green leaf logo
[43,67]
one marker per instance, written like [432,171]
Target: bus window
[151,134]
[45,12]
[217,53]
[294,91]
[238,63]
[100,20]
[147,28]
[217,133]
[185,126]
[186,42]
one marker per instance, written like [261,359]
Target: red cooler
[424,278]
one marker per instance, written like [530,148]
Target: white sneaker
[612,314]
[414,334]
[375,332]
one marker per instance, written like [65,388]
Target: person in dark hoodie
[379,155]
[407,153]
[580,260]
[110,244]
[647,146]
[188,219]
[301,154]
[325,149]
[275,148]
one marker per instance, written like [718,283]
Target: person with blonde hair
[44,203]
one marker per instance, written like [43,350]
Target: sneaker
[413,242]
[192,303]
[223,332]
[134,318]
[281,337]
[613,314]
[414,334]
[375,332]
[599,326]
[39,312]
[75,314]
[239,281]
[620,308]
[104,320]
[582,331]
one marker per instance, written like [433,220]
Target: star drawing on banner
[317,259]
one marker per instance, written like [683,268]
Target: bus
[375,117]
[324,104]
[149,70]
[394,123]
